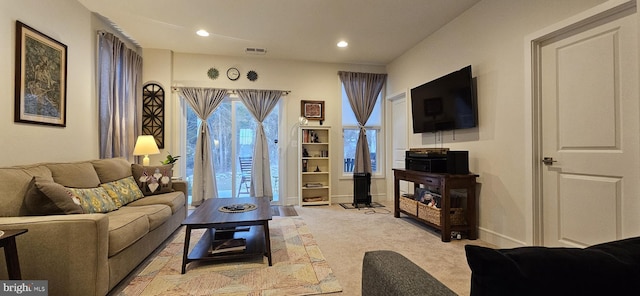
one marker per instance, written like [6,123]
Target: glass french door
[233,130]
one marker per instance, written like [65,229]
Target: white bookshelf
[314,167]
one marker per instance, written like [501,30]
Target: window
[350,133]
[232,130]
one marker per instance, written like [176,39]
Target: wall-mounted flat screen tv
[446,103]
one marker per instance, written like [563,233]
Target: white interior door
[399,136]
[590,118]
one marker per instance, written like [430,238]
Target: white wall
[491,37]
[305,80]
[70,23]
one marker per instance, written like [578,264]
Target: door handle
[548,160]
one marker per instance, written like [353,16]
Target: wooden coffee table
[8,242]
[252,226]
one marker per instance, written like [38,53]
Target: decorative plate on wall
[153,112]
[213,73]
[252,75]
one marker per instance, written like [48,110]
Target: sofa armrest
[181,185]
[70,251]
[389,273]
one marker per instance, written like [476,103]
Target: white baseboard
[498,240]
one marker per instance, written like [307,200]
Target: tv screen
[446,103]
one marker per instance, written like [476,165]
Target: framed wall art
[153,112]
[312,110]
[41,78]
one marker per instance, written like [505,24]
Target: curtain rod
[232,91]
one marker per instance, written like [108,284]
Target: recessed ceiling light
[343,44]
[202,33]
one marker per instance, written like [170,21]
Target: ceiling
[378,31]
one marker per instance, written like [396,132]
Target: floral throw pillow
[153,179]
[94,200]
[123,191]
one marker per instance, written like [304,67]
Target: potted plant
[170,159]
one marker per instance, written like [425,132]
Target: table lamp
[146,145]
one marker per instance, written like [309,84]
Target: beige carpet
[345,235]
[299,268]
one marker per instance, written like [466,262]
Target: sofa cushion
[112,169]
[153,179]
[74,175]
[606,269]
[14,183]
[123,191]
[45,197]
[94,200]
[41,171]
[126,228]
[156,214]
[175,200]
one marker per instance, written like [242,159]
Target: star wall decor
[252,75]
[213,73]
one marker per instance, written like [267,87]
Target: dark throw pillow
[606,269]
[45,197]
[153,179]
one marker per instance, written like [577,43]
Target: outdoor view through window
[232,130]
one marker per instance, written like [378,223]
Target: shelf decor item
[312,110]
[41,78]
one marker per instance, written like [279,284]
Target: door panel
[588,211]
[399,136]
[590,128]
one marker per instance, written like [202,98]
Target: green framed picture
[41,78]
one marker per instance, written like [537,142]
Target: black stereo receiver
[451,162]
[426,162]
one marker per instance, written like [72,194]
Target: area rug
[350,206]
[299,268]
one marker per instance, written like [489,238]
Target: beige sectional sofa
[82,253]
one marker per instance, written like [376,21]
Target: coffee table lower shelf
[254,236]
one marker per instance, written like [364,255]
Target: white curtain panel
[203,101]
[120,88]
[362,91]
[260,103]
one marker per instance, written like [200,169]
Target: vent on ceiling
[255,50]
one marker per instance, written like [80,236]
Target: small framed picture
[312,110]
[41,78]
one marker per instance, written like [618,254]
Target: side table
[8,242]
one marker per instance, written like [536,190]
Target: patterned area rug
[299,268]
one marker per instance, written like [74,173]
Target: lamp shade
[303,120]
[146,145]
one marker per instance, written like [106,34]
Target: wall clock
[233,74]
[252,75]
